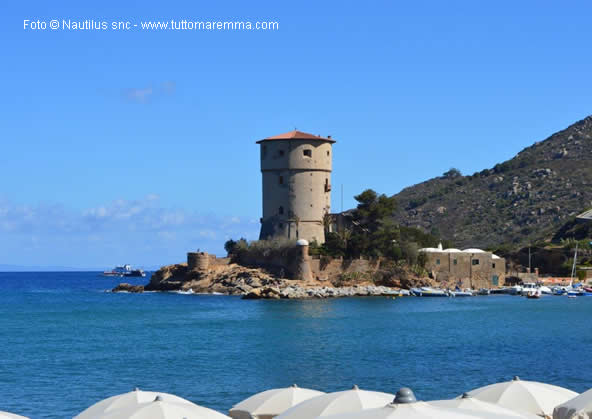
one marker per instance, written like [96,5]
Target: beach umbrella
[7,415]
[270,403]
[405,406]
[580,407]
[338,402]
[133,398]
[479,407]
[161,409]
[524,396]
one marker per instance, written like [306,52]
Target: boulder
[125,287]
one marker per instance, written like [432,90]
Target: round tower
[296,172]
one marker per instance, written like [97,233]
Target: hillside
[525,199]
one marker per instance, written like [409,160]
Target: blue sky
[138,146]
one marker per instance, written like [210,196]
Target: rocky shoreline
[252,283]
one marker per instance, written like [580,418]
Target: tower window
[328,153]
[475,261]
[281,180]
[281,210]
[307,153]
[264,150]
[281,152]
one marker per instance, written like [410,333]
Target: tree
[452,173]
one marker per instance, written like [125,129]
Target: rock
[125,287]
[254,294]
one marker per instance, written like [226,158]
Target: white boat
[484,291]
[535,293]
[461,293]
[545,290]
[428,292]
[528,287]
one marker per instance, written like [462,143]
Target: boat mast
[573,268]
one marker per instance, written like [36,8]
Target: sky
[136,146]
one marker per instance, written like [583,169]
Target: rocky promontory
[257,283]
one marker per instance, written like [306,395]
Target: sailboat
[576,291]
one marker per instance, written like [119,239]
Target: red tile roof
[297,135]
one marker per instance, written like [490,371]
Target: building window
[328,153]
[281,153]
[281,210]
[307,153]
[493,265]
[264,150]
[437,261]
[281,180]
[281,225]
[455,262]
[475,261]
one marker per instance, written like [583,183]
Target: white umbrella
[405,406]
[7,415]
[338,402]
[524,396]
[161,409]
[270,403]
[580,407]
[133,398]
[475,406]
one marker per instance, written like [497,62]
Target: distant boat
[125,270]
[461,293]
[536,293]
[428,292]
[484,291]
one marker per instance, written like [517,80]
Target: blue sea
[66,343]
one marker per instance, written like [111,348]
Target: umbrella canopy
[338,402]
[524,396]
[7,415]
[161,409]
[415,410]
[270,403]
[475,406]
[580,407]
[133,398]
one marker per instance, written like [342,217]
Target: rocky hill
[525,199]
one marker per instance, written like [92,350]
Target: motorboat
[545,290]
[484,291]
[528,287]
[125,270]
[461,293]
[428,292]
[536,293]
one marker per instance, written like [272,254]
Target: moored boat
[428,292]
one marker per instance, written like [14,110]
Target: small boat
[461,293]
[428,292]
[534,293]
[125,270]
[484,291]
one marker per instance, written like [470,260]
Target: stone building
[296,172]
[474,268]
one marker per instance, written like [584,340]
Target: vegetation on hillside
[524,200]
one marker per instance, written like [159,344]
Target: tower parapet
[296,172]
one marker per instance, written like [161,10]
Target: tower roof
[297,135]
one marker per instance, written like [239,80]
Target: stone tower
[296,171]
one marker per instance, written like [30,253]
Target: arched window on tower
[281,211]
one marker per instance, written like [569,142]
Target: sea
[67,343]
